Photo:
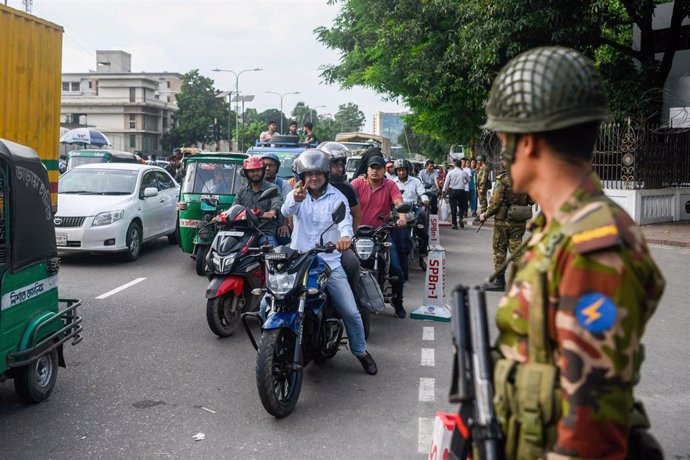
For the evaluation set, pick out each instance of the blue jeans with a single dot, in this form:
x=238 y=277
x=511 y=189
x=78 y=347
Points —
x=340 y=294
x=270 y=239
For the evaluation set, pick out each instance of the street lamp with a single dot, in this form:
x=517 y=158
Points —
x=282 y=95
x=237 y=92
x=245 y=98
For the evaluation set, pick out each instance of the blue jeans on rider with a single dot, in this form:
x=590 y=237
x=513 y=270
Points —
x=396 y=270
x=343 y=301
x=270 y=239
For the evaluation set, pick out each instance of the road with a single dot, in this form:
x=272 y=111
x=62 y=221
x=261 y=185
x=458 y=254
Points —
x=149 y=374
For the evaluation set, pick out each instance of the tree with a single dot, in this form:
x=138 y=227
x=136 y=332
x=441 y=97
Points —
x=422 y=144
x=440 y=56
x=303 y=113
x=198 y=107
x=349 y=117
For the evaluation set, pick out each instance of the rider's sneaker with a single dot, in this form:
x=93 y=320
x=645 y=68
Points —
x=368 y=363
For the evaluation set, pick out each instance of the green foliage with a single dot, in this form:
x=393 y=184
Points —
x=198 y=107
x=349 y=118
x=440 y=56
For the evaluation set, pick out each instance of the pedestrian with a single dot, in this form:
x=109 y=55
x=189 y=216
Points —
x=483 y=183
x=473 y=187
x=466 y=168
x=571 y=321
x=509 y=225
x=454 y=187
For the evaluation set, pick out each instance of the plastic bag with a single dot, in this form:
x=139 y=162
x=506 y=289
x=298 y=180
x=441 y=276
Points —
x=443 y=210
x=369 y=292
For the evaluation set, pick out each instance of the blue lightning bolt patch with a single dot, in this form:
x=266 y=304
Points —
x=596 y=312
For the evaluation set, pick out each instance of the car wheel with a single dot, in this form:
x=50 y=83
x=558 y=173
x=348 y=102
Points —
x=173 y=237
x=133 y=241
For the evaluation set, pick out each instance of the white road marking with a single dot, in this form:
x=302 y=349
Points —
x=426 y=389
x=428 y=333
x=121 y=288
x=425 y=434
x=428 y=357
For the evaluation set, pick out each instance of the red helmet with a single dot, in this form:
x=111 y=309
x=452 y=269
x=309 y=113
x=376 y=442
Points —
x=252 y=163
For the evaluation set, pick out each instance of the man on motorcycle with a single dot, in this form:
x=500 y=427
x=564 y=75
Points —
x=271 y=166
x=254 y=170
x=376 y=195
x=413 y=192
x=311 y=204
x=429 y=177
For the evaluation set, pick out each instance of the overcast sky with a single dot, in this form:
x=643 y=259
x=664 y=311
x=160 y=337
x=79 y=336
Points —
x=177 y=36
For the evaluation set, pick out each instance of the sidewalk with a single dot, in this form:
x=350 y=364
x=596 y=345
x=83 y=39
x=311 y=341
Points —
x=672 y=234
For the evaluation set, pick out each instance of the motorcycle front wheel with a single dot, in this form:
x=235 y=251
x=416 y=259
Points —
x=278 y=381
x=224 y=313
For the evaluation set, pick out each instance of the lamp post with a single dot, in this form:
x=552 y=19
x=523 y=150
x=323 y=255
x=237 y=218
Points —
x=237 y=93
x=281 y=96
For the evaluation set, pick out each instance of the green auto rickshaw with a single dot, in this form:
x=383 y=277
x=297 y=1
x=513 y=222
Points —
x=84 y=157
x=34 y=323
x=209 y=186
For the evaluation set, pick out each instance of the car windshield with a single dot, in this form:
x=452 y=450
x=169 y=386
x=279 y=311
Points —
x=87 y=181
x=286 y=160
x=205 y=177
x=73 y=162
x=351 y=165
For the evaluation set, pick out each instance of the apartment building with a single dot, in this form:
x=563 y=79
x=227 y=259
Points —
x=132 y=109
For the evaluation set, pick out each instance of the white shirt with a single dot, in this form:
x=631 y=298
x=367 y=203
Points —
x=456 y=179
x=412 y=189
x=311 y=217
x=469 y=178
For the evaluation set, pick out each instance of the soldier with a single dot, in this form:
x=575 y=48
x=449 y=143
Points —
x=483 y=183
x=509 y=224
x=572 y=319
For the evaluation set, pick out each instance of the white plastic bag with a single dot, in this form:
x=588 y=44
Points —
x=444 y=210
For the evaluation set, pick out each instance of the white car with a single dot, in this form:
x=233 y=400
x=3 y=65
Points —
x=115 y=207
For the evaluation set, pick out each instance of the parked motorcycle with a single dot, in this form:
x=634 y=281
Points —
x=302 y=325
x=235 y=269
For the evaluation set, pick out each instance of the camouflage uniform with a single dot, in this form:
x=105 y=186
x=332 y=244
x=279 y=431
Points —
x=600 y=286
x=507 y=234
x=483 y=184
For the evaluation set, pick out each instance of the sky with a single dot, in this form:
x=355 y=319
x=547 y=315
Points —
x=177 y=36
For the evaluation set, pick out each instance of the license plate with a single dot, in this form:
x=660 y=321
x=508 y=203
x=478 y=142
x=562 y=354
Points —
x=61 y=239
x=275 y=256
x=234 y=233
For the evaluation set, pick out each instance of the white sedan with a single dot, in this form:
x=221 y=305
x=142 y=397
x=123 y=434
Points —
x=115 y=207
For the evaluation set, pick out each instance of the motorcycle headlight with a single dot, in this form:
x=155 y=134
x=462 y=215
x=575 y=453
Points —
x=364 y=248
x=221 y=265
x=281 y=283
x=107 y=218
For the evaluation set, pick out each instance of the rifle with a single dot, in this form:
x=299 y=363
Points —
x=472 y=384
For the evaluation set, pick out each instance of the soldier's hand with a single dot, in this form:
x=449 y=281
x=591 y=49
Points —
x=482 y=217
x=300 y=192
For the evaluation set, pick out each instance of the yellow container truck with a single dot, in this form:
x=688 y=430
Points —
x=30 y=86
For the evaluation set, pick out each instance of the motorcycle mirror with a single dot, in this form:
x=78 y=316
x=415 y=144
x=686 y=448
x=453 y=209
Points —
x=269 y=194
x=404 y=208
x=339 y=213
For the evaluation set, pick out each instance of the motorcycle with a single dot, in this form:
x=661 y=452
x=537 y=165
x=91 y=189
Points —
x=373 y=250
x=235 y=270
x=302 y=325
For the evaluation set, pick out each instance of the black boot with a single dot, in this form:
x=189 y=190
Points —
x=499 y=284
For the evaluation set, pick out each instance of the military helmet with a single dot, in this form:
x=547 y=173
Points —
x=481 y=158
x=312 y=160
x=546 y=89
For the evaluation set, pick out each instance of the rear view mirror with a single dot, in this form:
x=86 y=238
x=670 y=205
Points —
x=339 y=213
x=404 y=208
x=269 y=194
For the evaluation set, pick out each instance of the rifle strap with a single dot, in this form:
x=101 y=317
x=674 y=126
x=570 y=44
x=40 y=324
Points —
x=537 y=331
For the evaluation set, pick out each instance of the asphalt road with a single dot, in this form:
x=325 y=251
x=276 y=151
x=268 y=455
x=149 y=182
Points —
x=149 y=374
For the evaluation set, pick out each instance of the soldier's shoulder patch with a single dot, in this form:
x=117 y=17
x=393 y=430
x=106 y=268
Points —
x=593 y=228
x=596 y=312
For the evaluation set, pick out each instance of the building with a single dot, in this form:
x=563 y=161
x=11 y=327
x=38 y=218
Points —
x=390 y=125
x=133 y=109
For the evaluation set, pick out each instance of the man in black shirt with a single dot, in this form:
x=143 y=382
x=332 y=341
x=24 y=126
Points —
x=310 y=137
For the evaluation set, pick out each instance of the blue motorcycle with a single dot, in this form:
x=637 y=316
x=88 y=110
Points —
x=302 y=326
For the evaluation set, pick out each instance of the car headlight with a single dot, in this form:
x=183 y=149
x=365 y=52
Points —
x=108 y=217
x=364 y=248
x=281 y=283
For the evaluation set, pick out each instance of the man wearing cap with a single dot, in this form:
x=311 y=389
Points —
x=376 y=195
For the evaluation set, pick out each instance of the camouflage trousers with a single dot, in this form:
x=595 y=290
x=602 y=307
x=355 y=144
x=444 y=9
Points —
x=507 y=237
x=483 y=202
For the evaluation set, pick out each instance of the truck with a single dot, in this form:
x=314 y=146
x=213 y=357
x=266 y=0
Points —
x=359 y=142
x=31 y=87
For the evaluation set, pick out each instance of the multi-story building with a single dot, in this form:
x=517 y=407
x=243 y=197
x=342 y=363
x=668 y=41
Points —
x=133 y=109
x=390 y=125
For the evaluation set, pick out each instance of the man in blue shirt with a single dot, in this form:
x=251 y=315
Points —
x=311 y=204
